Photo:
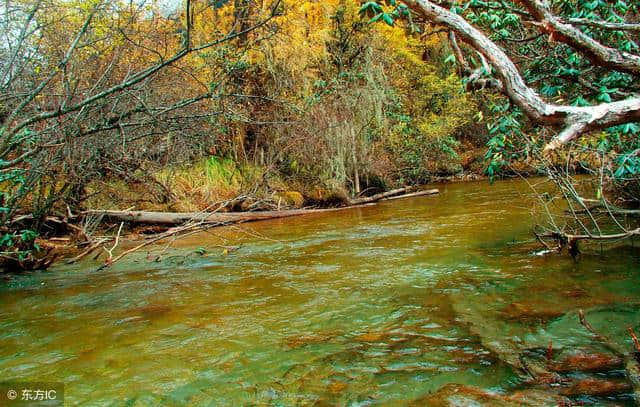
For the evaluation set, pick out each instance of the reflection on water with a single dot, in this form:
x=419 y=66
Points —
x=383 y=304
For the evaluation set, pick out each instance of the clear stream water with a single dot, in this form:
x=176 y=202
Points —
x=374 y=306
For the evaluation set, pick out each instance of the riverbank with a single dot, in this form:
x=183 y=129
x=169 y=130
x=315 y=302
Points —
x=208 y=186
x=138 y=229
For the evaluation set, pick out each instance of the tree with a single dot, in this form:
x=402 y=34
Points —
x=572 y=68
x=79 y=82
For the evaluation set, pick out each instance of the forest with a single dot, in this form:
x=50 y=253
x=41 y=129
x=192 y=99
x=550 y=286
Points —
x=472 y=143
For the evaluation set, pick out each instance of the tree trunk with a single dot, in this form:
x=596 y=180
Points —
x=356 y=174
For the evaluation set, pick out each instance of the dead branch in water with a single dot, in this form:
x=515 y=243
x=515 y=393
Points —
x=89 y=250
x=196 y=223
x=599 y=237
x=170 y=233
x=179 y=218
x=188 y=223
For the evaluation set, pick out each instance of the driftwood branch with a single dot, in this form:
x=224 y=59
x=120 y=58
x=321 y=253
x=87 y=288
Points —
x=192 y=222
x=377 y=197
x=92 y=247
x=593 y=236
x=413 y=194
x=179 y=218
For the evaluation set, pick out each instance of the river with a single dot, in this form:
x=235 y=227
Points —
x=382 y=305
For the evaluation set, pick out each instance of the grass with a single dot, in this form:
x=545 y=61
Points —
x=213 y=179
x=193 y=187
x=199 y=185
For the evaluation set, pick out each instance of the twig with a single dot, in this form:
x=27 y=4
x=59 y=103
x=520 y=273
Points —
x=601 y=338
x=200 y=225
x=115 y=244
x=88 y=251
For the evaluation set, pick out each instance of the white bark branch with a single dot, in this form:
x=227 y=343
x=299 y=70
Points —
x=575 y=121
x=605 y=24
x=570 y=35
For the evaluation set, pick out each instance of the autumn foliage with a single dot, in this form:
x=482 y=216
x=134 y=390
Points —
x=121 y=104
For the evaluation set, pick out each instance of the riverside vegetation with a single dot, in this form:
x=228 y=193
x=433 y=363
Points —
x=287 y=104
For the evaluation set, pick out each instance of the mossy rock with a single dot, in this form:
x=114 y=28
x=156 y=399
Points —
x=292 y=198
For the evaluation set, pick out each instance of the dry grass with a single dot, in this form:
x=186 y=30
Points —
x=192 y=187
x=198 y=187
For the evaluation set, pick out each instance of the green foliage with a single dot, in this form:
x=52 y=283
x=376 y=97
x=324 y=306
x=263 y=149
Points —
x=622 y=143
x=504 y=130
x=387 y=12
x=19 y=245
x=561 y=74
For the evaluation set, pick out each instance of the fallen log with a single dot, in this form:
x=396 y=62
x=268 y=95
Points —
x=179 y=218
x=223 y=218
x=377 y=197
x=413 y=194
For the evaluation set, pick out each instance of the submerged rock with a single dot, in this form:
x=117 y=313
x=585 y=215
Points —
x=531 y=312
x=587 y=362
x=597 y=387
x=371 y=336
x=299 y=341
x=460 y=395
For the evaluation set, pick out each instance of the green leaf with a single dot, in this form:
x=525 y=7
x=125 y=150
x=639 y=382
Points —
x=375 y=18
x=387 y=19
x=370 y=7
x=630 y=128
x=604 y=97
x=580 y=101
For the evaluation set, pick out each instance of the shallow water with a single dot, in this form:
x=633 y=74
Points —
x=378 y=305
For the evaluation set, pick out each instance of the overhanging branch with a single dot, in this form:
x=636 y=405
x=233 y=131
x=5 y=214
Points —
x=573 y=120
x=570 y=35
